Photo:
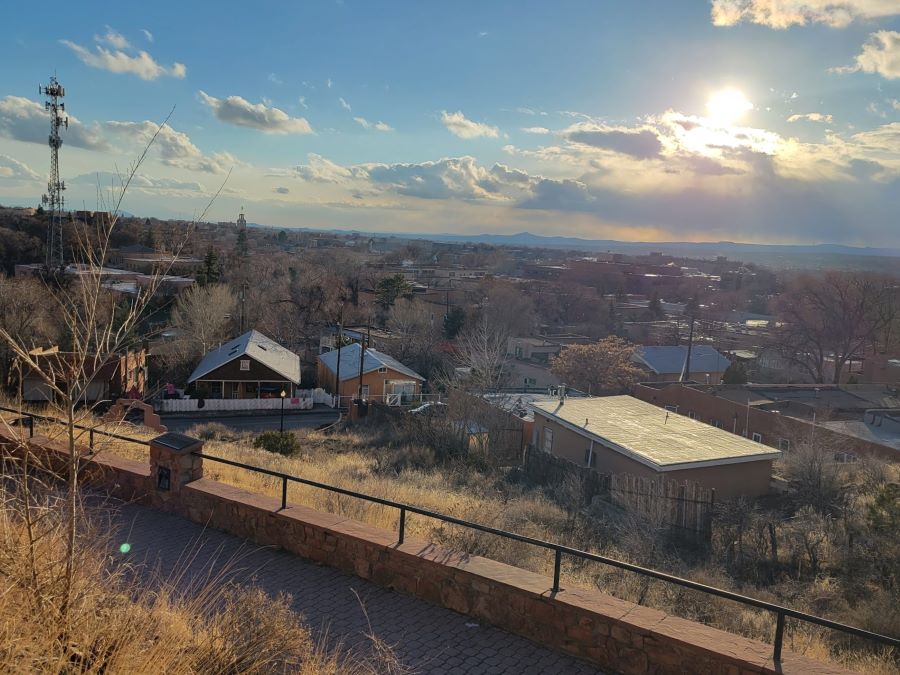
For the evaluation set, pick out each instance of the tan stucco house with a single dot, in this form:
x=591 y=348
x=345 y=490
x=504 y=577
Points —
x=384 y=378
x=624 y=435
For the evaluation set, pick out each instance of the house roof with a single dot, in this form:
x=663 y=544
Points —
x=670 y=359
x=372 y=361
x=651 y=435
x=257 y=346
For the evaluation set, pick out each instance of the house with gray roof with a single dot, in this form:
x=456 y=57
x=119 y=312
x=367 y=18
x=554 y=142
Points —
x=666 y=363
x=380 y=377
x=249 y=366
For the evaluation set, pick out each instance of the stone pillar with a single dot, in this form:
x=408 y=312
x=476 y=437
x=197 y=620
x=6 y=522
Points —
x=172 y=466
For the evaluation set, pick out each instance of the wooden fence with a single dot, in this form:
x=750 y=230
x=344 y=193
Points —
x=684 y=505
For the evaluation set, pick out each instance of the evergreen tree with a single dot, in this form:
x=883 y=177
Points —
x=453 y=322
x=241 y=245
x=211 y=271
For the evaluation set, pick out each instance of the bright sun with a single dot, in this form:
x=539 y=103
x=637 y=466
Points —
x=728 y=106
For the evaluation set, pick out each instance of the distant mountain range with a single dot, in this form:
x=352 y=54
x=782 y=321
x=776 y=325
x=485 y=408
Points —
x=804 y=256
x=670 y=247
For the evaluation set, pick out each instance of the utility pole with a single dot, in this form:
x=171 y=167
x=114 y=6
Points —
x=686 y=371
x=340 y=345
x=362 y=356
x=54 y=197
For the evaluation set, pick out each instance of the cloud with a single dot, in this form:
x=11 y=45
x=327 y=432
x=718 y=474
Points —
x=25 y=120
x=321 y=170
x=274 y=79
x=13 y=169
x=812 y=117
x=344 y=104
x=302 y=101
x=458 y=125
x=240 y=112
x=639 y=143
x=142 y=182
x=147 y=35
x=536 y=130
x=113 y=38
x=378 y=126
x=448 y=178
x=328 y=83
x=880 y=54
x=782 y=14
x=280 y=190
x=122 y=58
x=174 y=148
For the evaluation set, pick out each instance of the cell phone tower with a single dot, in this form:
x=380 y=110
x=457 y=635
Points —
x=54 y=197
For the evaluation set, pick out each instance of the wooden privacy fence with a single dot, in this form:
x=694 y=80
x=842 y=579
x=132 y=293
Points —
x=686 y=505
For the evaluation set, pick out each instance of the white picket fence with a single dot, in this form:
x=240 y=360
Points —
x=305 y=400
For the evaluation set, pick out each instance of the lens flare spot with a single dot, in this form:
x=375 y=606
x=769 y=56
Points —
x=125 y=548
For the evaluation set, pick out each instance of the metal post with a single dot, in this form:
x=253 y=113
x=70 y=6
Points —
x=91 y=442
x=281 y=426
x=30 y=426
x=556 y=568
x=284 y=492
x=402 y=525
x=779 y=636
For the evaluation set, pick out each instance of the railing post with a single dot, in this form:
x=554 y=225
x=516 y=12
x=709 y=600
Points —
x=284 y=492
x=31 y=426
x=91 y=438
x=779 y=636
x=402 y=525
x=556 y=569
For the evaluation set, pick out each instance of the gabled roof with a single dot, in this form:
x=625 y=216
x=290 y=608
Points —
x=372 y=361
x=257 y=346
x=651 y=435
x=670 y=359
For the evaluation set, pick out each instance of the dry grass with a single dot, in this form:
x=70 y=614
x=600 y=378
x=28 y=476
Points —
x=378 y=465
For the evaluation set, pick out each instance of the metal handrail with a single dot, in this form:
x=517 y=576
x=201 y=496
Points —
x=780 y=611
x=559 y=550
x=91 y=430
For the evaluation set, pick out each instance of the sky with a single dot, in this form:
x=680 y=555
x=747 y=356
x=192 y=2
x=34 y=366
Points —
x=698 y=120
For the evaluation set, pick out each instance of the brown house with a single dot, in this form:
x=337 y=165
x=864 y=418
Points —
x=624 y=435
x=250 y=366
x=119 y=376
x=384 y=378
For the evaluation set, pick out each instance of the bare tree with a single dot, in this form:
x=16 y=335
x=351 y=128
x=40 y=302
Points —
x=203 y=318
x=827 y=321
x=606 y=364
x=95 y=334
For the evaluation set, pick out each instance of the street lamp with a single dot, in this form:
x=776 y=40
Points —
x=283 y=394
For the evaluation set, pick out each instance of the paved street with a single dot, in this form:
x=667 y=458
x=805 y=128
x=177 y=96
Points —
x=427 y=639
x=257 y=423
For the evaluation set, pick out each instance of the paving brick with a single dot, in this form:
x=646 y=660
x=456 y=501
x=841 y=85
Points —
x=426 y=638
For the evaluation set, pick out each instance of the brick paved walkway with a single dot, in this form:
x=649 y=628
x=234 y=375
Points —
x=427 y=639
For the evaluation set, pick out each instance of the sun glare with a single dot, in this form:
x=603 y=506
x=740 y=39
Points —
x=727 y=106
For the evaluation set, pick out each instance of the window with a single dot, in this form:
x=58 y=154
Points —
x=692 y=414
x=757 y=437
x=716 y=423
x=672 y=408
x=590 y=459
x=245 y=364
x=530 y=382
x=382 y=369
x=548 y=439
x=784 y=444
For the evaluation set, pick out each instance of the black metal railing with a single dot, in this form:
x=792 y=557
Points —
x=781 y=612
x=31 y=417
x=559 y=550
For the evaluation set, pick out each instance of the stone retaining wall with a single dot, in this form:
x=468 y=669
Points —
x=618 y=636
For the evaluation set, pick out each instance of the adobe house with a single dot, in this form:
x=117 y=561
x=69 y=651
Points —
x=384 y=378
x=249 y=366
x=666 y=363
x=624 y=435
x=119 y=376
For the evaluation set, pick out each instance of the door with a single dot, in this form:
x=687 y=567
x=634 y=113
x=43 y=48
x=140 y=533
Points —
x=365 y=392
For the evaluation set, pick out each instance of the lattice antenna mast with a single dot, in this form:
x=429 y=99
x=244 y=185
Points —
x=54 y=197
